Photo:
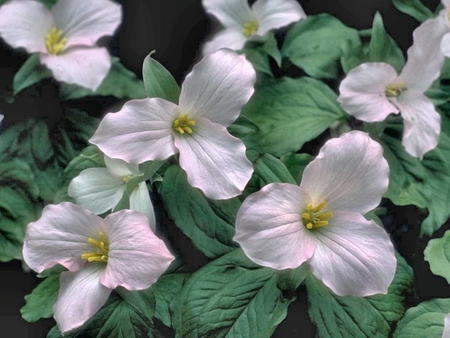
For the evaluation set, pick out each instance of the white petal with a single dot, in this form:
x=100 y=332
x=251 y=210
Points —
x=446 y=3
x=353 y=256
x=362 y=92
x=228 y=38
x=230 y=13
x=425 y=58
x=96 y=190
x=80 y=297
x=350 y=173
x=214 y=161
x=422 y=123
x=272 y=14
x=269 y=227
x=136 y=257
x=121 y=169
x=218 y=87
x=60 y=237
x=446 y=333
x=25 y=24
x=86 y=67
x=140 y=201
x=85 y=21
x=141 y=131
x=445 y=45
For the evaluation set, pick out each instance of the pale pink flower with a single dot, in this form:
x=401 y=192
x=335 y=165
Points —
x=321 y=221
x=64 y=36
x=100 y=254
x=242 y=23
x=212 y=97
x=372 y=91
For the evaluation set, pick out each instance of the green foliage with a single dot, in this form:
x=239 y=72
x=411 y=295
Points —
x=414 y=8
x=296 y=164
x=48 y=3
x=437 y=253
x=30 y=73
x=271 y=170
x=259 y=54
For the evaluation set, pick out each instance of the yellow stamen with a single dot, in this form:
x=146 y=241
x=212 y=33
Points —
x=313 y=218
x=395 y=89
x=55 y=41
x=250 y=28
x=182 y=124
x=101 y=253
x=127 y=178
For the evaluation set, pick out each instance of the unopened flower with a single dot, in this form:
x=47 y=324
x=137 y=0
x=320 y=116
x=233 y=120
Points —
x=372 y=91
x=321 y=221
x=64 y=36
x=212 y=97
x=100 y=254
x=101 y=189
x=242 y=23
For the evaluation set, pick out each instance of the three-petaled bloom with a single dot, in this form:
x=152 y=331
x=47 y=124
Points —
x=100 y=254
x=212 y=97
x=64 y=36
x=321 y=221
x=101 y=189
x=372 y=91
x=243 y=23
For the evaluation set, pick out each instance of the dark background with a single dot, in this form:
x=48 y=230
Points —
x=176 y=29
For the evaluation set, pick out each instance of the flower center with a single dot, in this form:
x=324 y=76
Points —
x=312 y=217
x=101 y=252
x=182 y=124
x=55 y=41
x=250 y=28
x=395 y=89
x=127 y=178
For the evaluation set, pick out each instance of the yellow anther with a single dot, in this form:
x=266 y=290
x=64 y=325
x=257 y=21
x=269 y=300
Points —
x=101 y=253
x=55 y=42
x=127 y=178
x=313 y=218
x=395 y=89
x=250 y=28
x=182 y=124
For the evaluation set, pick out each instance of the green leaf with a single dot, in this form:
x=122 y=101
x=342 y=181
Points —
x=259 y=60
x=120 y=83
x=242 y=126
x=354 y=53
x=271 y=170
x=315 y=44
x=208 y=223
x=39 y=303
x=414 y=8
x=230 y=297
x=30 y=73
x=437 y=254
x=48 y=3
x=424 y=320
x=290 y=112
x=143 y=301
x=158 y=81
x=358 y=317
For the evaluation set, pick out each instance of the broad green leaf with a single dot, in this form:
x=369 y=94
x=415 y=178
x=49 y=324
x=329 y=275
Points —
x=158 y=81
x=208 y=223
x=230 y=297
x=242 y=126
x=354 y=53
x=437 y=254
x=296 y=164
x=271 y=170
x=143 y=301
x=259 y=60
x=30 y=73
x=424 y=320
x=120 y=83
x=315 y=44
x=358 y=317
x=290 y=112
x=414 y=8
x=259 y=54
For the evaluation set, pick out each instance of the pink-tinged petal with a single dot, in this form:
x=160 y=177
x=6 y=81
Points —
x=446 y=333
x=228 y=38
x=120 y=169
x=60 y=237
x=445 y=45
x=214 y=161
x=422 y=123
x=350 y=173
x=96 y=190
x=141 y=131
x=362 y=92
x=230 y=13
x=269 y=227
x=85 y=21
x=425 y=58
x=446 y=3
x=80 y=296
x=218 y=87
x=140 y=201
x=136 y=258
x=86 y=67
x=353 y=256
x=25 y=24
x=272 y=14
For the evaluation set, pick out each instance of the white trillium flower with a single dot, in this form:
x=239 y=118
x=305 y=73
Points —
x=154 y=129
x=101 y=189
x=321 y=221
x=372 y=91
x=100 y=254
x=64 y=36
x=242 y=23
